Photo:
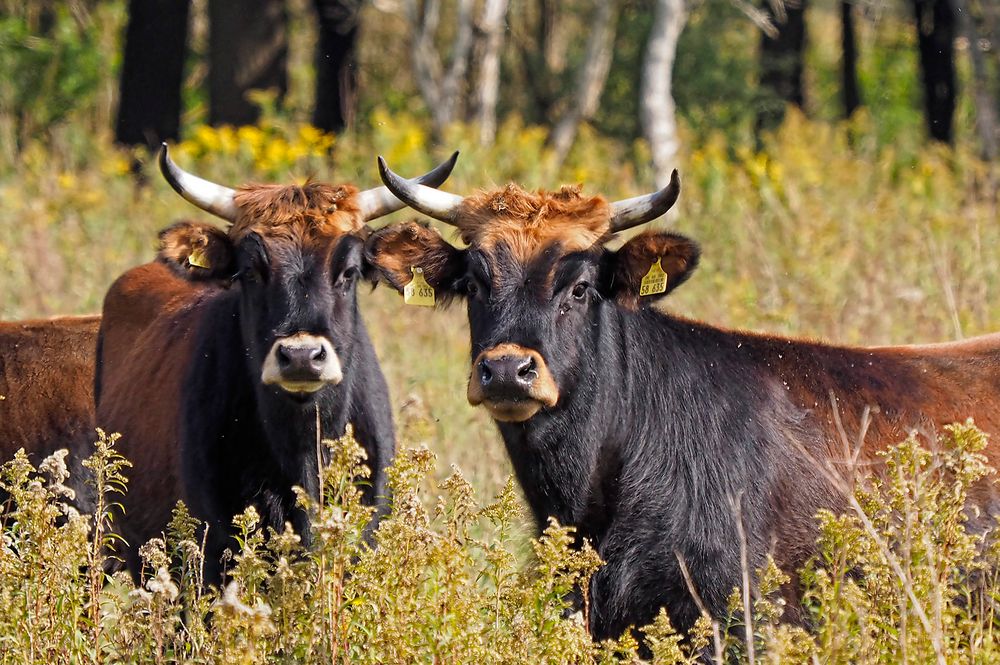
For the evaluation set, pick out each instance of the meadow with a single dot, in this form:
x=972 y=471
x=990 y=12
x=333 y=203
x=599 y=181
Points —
x=826 y=230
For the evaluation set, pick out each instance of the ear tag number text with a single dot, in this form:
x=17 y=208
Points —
x=198 y=259
x=655 y=280
x=418 y=292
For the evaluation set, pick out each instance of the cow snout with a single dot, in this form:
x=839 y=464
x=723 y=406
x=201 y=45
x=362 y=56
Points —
x=512 y=382
x=507 y=373
x=302 y=363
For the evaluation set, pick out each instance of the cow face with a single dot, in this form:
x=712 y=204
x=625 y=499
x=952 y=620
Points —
x=535 y=275
x=296 y=254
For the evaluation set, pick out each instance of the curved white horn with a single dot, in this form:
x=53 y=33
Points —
x=208 y=196
x=432 y=202
x=641 y=209
x=380 y=201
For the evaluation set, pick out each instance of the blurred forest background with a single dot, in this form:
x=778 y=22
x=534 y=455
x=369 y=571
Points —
x=838 y=158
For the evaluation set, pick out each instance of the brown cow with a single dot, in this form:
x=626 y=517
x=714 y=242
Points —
x=639 y=427
x=218 y=360
x=47 y=390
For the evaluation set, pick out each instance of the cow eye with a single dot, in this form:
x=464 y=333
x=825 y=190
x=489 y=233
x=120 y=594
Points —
x=580 y=291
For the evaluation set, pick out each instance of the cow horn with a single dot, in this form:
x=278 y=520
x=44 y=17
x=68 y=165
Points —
x=641 y=209
x=437 y=204
x=208 y=196
x=380 y=201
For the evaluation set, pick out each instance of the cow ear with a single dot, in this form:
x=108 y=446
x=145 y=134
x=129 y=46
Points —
x=649 y=266
x=394 y=251
x=197 y=251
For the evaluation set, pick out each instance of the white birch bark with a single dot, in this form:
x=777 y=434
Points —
x=590 y=80
x=492 y=27
x=656 y=104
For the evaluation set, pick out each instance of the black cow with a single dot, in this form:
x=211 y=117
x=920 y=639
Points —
x=217 y=360
x=644 y=430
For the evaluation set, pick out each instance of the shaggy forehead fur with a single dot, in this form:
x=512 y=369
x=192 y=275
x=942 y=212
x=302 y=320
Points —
x=528 y=222
x=305 y=213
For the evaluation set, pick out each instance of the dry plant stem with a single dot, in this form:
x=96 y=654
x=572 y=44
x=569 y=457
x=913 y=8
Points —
x=944 y=276
x=716 y=635
x=837 y=482
x=737 y=503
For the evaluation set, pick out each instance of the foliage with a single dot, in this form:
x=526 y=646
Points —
x=902 y=577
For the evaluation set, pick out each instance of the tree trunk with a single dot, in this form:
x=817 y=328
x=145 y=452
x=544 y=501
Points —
x=336 y=64
x=492 y=28
x=426 y=64
x=848 y=42
x=986 y=114
x=782 y=63
x=935 y=23
x=657 y=109
x=591 y=77
x=149 y=108
x=248 y=50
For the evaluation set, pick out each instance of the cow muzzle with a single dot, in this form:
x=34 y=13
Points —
x=512 y=382
x=301 y=364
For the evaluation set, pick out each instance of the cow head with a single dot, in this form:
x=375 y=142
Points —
x=535 y=274
x=295 y=253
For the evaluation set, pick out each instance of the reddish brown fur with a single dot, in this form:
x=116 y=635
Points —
x=304 y=213
x=529 y=222
x=150 y=317
x=47 y=384
x=400 y=247
x=180 y=241
x=678 y=257
x=905 y=388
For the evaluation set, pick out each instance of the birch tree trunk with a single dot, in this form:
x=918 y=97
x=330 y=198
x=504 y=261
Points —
x=656 y=105
x=441 y=89
x=591 y=77
x=491 y=27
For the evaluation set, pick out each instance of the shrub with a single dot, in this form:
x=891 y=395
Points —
x=898 y=578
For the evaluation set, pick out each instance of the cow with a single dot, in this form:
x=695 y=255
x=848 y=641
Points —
x=46 y=391
x=218 y=360
x=651 y=433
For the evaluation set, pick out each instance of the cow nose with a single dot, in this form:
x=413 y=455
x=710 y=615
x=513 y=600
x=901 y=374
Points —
x=507 y=374
x=301 y=362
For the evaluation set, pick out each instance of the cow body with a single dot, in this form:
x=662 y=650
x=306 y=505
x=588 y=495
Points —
x=653 y=435
x=177 y=388
x=47 y=384
x=225 y=362
x=674 y=420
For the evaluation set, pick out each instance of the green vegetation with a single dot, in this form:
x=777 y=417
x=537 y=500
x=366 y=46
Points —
x=854 y=232
x=899 y=578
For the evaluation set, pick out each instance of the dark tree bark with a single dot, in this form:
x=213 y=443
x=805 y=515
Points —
x=935 y=20
x=149 y=109
x=336 y=64
x=782 y=62
x=848 y=42
x=248 y=50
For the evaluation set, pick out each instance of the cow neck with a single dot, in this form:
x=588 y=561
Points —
x=642 y=397
x=290 y=428
x=557 y=455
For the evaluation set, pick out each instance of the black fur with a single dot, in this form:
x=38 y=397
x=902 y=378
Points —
x=661 y=427
x=242 y=442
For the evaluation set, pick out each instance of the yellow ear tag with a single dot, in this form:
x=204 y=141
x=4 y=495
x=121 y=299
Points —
x=418 y=292
x=198 y=259
x=655 y=280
